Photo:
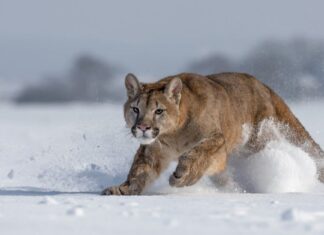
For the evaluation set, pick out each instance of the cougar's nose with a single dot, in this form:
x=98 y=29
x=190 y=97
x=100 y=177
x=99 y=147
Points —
x=143 y=127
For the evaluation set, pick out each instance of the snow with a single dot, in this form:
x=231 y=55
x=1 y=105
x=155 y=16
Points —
x=279 y=168
x=56 y=159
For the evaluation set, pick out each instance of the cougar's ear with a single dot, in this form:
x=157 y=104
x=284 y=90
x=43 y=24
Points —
x=132 y=85
x=173 y=89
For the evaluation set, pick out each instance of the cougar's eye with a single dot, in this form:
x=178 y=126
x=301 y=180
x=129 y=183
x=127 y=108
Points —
x=135 y=110
x=159 y=111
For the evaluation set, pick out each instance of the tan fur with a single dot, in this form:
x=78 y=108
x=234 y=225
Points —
x=201 y=125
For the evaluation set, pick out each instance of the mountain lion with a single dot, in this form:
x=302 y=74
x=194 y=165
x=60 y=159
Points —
x=198 y=121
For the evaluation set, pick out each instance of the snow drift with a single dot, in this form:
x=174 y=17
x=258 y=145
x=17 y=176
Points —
x=280 y=167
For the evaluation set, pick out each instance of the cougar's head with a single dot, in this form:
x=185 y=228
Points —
x=152 y=109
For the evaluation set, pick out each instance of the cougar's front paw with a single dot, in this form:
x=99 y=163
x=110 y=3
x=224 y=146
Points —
x=115 y=190
x=181 y=177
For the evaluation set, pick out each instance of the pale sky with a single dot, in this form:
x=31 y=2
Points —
x=39 y=37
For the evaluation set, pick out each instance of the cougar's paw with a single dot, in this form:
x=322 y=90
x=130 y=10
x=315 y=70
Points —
x=115 y=190
x=181 y=177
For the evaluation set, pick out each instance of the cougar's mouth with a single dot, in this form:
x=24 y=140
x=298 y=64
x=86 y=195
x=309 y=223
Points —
x=145 y=137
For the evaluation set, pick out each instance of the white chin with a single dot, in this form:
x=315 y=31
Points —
x=146 y=141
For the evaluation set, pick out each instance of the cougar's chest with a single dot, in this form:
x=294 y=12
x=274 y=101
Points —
x=180 y=143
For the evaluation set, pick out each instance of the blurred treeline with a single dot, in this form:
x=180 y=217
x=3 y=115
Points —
x=89 y=80
x=294 y=69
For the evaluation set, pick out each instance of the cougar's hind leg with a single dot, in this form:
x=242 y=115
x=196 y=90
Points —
x=258 y=139
x=299 y=136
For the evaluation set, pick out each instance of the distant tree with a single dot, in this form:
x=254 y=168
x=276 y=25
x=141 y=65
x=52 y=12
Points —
x=50 y=91
x=89 y=79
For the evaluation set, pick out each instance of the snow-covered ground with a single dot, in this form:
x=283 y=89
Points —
x=54 y=160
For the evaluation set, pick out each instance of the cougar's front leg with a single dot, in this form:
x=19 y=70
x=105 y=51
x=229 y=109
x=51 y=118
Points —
x=147 y=166
x=208 y=156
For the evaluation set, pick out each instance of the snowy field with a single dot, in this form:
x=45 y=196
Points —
x=54 y=161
